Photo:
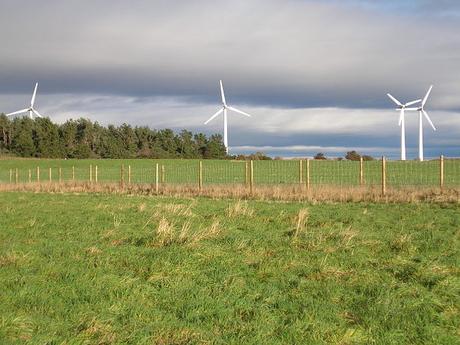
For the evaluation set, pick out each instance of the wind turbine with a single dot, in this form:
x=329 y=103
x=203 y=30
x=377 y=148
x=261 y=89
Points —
x=403 y=108
x=421 y=110
x=224 y=109
x=31 y=109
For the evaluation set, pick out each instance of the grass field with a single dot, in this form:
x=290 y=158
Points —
x=100 y=269
x=337 y=173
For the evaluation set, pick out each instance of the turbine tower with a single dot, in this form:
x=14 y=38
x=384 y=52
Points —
x=31 y=109
x=224 y=109
x=421 y=110
x=402 y=108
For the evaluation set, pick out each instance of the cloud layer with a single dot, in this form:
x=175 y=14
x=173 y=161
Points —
x=305 y=69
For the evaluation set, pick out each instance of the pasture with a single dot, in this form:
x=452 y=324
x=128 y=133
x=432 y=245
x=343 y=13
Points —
x=108 y=269
x=183 y=171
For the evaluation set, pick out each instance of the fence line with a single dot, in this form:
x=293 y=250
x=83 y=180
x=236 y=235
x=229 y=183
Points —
x=441 y=173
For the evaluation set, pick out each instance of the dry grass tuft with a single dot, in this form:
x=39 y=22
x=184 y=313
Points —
x=347 y=236
x=116 y=221
x=108 y=234
x=185 y=232
x=93 y=251
x=210 y=232
x=116 y=243
x=301 y=221
x=12 y=259
x=214 y=230
x=400 y=243
x=177 y=337
x=99 y=332
x=165 y=233
x=31 y=222
x=179 y=210
x=332 y=273
x=17 y=328
x=142 y=207
x=240 y=208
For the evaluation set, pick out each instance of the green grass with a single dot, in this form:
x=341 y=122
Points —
x=337 y=173
x=100 y=269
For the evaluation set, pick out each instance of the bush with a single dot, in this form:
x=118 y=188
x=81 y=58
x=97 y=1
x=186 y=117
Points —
x=320 y=156
x=353 y=156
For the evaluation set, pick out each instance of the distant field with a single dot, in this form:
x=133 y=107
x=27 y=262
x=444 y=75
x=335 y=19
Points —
x=338 y=173
x=99 y=269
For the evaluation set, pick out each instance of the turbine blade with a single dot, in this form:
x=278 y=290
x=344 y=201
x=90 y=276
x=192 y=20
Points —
x=429 y=120
x=427 y=95
x=401 y=116
x=214 y=116
x=239 y=111
x=32 y=102
x=413 y=102
x=222 y=93
x=36 y=113
x=18 y=112
x=394 y=100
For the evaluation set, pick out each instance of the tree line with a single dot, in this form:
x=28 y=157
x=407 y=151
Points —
x=81 y=138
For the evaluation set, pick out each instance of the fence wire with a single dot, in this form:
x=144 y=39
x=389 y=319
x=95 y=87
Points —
x=399 y=174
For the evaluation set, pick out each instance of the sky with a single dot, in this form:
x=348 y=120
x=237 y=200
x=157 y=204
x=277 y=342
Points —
x=313 y=74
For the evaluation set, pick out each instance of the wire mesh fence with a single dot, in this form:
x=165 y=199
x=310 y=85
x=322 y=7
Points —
x=442 y=173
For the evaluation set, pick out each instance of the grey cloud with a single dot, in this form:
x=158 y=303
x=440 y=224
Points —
x=280 y=53
x=313 y=73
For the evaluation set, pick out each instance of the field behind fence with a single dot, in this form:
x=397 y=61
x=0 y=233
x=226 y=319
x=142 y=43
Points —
x=442 y=172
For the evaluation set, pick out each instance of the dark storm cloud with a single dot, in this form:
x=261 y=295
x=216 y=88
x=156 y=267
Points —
x=280 y=53
x=313 y=73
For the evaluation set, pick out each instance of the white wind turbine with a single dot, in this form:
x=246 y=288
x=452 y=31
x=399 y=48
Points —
x=224 y=110
x=403 y=108
x=31 y=109
x=421 y=110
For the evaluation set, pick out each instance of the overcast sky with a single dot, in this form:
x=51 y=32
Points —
x=314 y=74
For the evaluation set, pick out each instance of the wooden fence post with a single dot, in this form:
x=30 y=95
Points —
x=162 y=174
x=200 y=176
x=157 y=178
x=38 y=174
x=90 y=173
x=246 y=172
x=441 y=173
x=384 y=176
x=17 y=176
x=361 y=171
x=60 y=175
x=300 y=172
x=30 y=175
x=129 y=174
x=308 y=174
x=122 y=175
x=50 y=175
x=95 y=174
x=251 y=179
x=11 y=175
x=73 y=173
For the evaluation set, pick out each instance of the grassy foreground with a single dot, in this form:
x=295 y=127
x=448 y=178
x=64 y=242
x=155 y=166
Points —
x=103 y=269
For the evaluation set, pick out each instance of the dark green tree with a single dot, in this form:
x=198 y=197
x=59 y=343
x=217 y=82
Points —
x=353 y=156
x=23 y=142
